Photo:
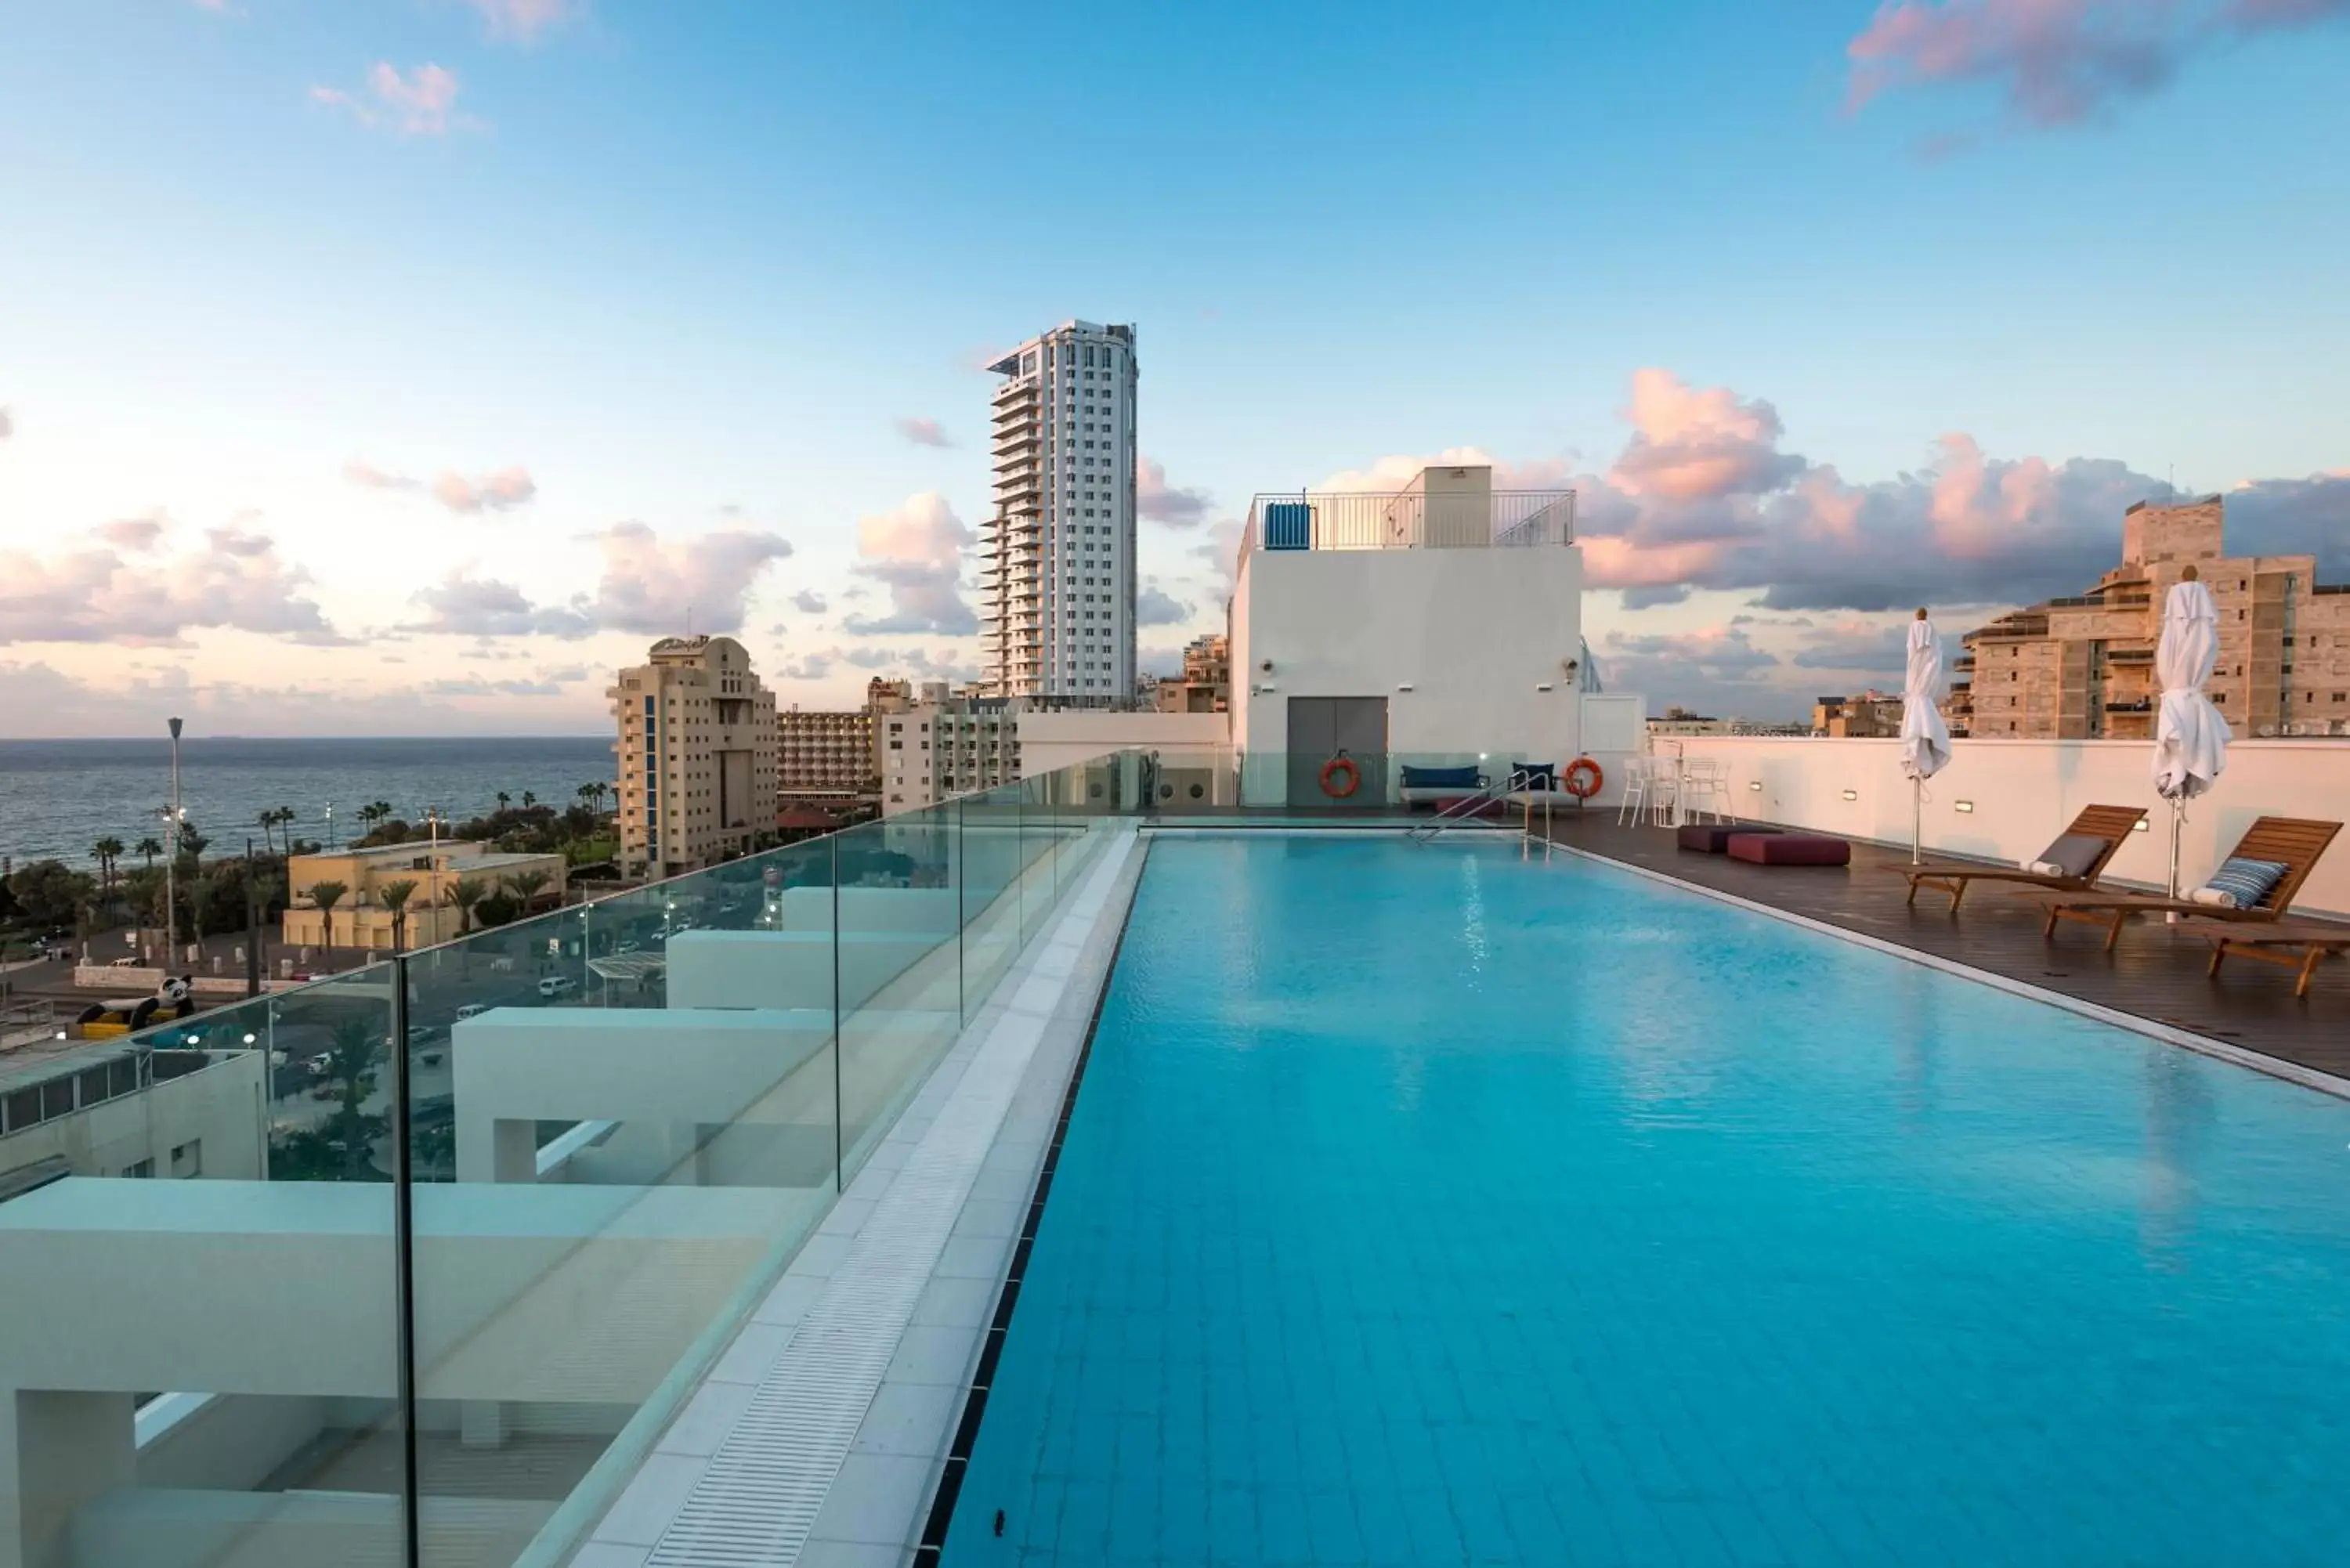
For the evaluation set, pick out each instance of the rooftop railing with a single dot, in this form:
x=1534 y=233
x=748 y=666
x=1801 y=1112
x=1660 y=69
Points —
x=1409 y=520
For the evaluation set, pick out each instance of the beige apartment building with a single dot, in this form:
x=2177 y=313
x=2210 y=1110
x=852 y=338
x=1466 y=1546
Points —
x=695 y=756
x=2083 y=668
x=824 y=755
x=1206 y=683
x=1866 y=715
x=362 y=919
x=943 y=746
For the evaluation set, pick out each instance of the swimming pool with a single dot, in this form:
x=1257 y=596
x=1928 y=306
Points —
x=1424 y=1204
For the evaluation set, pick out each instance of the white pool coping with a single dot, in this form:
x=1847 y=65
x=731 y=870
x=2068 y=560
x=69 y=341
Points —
x=820 y=1436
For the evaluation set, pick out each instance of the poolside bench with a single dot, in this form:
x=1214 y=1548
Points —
x=2304 y=945
x=1775 y=848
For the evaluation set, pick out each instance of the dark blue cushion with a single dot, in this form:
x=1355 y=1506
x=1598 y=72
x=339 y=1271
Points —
x=1534 y=775
x=1442 y=778
x=2246 y=882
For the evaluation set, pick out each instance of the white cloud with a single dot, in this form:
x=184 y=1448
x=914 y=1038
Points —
x=499 y=492
x=916 y=550
x=463 y=606
x=94 y=594
x=8 y=423
x=1162 y=502
x=421 y=102
x=808 y=602
x=923 y=433
x=661 y=588
x=521 y=21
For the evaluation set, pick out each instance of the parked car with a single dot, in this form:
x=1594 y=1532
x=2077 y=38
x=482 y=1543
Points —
x=558 y=986
x=472 y=1010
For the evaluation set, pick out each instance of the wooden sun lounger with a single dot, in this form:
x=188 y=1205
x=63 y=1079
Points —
x=2312 y=939
x=2111 y=823
x=2296 y=842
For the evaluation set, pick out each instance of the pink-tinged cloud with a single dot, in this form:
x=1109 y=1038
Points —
x=96 y=593
x=916 y=550
x=2055 y=62
x=521 y=21
x=662 y=587
x=1163 y=503
x=1703 y=497
x=421 y=102
x=499 y=492
x=1693 y=443
x=923 y=433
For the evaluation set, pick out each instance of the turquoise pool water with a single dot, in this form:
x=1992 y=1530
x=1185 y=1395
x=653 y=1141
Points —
x=1422 y=1204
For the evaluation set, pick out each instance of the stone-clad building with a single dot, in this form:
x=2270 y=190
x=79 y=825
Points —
x=2083 y=668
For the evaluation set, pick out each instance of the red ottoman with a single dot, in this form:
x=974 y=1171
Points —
x=1713 y=839
x=1789 y=850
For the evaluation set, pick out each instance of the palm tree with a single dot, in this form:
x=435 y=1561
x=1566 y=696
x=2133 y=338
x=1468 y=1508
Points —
x=326 y=896
x=108 y=850
x=505 y=800
x=468 y=892
x=366 y=815
x=191 y=844
x=528 y=800
x=147 y=849
x=394 y=896
x=526 y=885
x=589 y=794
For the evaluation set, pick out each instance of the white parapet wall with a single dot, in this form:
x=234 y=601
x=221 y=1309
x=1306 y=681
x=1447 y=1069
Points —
x=2004 y=800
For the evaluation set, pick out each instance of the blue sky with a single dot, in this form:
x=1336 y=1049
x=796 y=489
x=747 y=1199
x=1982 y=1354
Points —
x=336 y=335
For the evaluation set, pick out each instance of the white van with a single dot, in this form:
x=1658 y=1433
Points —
x=471 y=1010
x=558 y=986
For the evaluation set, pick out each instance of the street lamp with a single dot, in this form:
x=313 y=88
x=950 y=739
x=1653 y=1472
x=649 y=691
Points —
x=173 y=815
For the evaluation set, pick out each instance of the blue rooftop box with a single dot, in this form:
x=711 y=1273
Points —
x=1288 y=526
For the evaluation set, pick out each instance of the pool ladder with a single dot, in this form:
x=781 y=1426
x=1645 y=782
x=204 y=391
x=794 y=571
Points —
x=1457 y=813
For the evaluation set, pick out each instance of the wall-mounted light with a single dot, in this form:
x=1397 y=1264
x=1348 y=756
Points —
x=1852 y=794
x=2139 y=827
x=1963 y=808
x=1754 y=784
x=1404 y=685
x=1541 y=685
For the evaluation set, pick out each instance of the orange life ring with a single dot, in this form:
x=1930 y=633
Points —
x=1577 y=772
x=1341 y=763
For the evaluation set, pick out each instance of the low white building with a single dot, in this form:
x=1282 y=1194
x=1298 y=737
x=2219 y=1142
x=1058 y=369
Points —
x=1442 y=624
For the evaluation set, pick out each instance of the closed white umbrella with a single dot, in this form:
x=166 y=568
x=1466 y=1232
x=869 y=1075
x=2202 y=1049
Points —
x=1925 y=739
x=2191 y=739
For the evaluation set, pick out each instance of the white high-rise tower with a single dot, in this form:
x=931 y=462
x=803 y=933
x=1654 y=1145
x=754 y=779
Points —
x=1056 y=593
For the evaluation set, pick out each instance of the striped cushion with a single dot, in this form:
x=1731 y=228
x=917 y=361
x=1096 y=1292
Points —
x=2242 y=884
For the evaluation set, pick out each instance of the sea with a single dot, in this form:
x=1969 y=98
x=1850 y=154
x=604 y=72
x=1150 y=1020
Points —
x=58 y=797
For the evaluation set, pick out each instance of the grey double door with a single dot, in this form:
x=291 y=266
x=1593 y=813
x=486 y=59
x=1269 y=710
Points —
x=1322 y=728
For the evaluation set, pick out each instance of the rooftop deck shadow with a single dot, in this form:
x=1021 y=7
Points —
x=2157 y=972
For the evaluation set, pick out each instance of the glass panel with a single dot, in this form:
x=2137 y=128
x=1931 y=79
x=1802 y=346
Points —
x=624 y=1123
x=901 y=996
x=212 y=1210
x=990 y=835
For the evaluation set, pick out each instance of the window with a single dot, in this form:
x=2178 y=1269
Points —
x=144 y=1168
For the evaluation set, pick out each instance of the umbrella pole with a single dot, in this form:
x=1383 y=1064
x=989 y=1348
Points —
x=1917 y=822
x=2178 y=811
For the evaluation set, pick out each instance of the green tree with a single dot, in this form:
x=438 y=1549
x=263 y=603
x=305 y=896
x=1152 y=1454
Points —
x=147 y=849
x=505 y=800
x=394 y=895
x=109 y=850
x=528 y=800
x=326 y=896
x=193 y=845
x=51 y=893
x=468 y=892
x=526 y=885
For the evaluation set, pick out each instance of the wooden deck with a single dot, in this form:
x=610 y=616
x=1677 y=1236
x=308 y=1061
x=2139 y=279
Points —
x=2157 y=971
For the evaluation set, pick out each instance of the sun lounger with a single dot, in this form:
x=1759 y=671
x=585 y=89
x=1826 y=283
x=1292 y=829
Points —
x=2295 y=843
x=2295 y=944
x=2105 y=825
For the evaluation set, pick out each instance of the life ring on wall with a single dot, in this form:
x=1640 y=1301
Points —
x=1582 y=779
x=1341 y=763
